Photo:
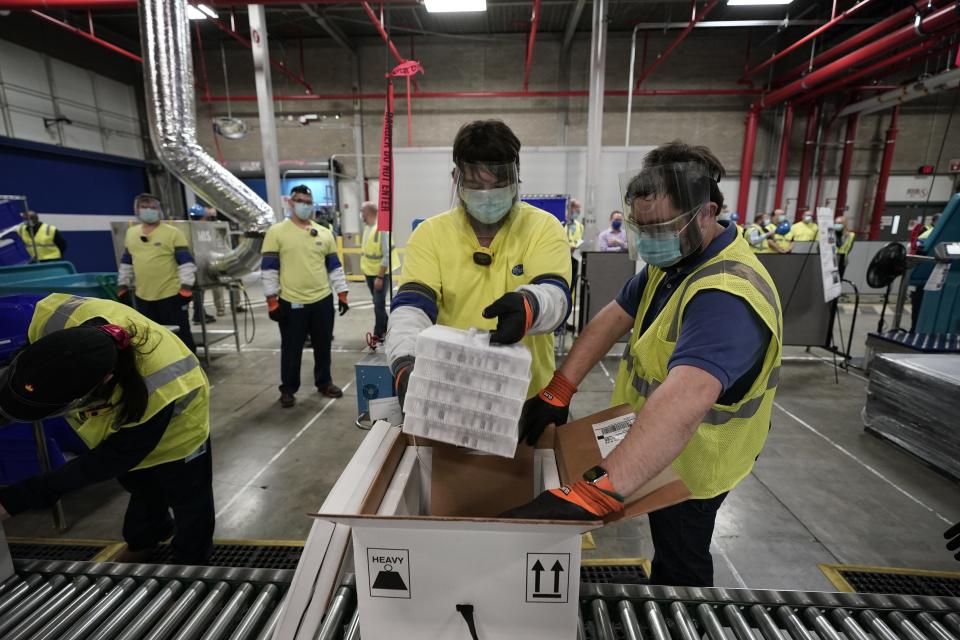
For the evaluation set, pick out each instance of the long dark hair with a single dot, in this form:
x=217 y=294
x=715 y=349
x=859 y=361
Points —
x=126 y=375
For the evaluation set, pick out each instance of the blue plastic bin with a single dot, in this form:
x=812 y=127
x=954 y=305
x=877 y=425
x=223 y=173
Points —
x=15 y=314
x=22 y=272
x=18 y=454
x=12 y=250
x=11 y=212
x=91 y=285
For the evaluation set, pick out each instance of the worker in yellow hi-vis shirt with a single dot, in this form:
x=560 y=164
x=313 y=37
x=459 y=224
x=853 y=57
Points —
x=492 y=262
x=157 y=262
x=138 y=399
x=300 y=295
x=377 y=264
x=43 y=241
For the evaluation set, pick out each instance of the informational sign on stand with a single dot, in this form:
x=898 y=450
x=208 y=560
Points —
x=828 y=254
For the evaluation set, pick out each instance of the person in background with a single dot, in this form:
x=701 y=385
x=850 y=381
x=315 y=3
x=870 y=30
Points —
x=927 y=229
x=377 y=263
x=300 y=295
x=804 y=231
x=44 y=241
x=916 y=293
x=493 y=262
x=157 y=262
x=574 y=227
x=780 y=226
x=198 y=213
x=759 y=233
x=702 y=394
x=138 y=399
x=845 y=240
x=614 y=238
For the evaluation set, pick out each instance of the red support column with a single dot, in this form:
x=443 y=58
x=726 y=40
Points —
x=821 y=161
x=809 y=140
x=850 y=137
x=784 y=156
x=746 y=162
x=879 y=200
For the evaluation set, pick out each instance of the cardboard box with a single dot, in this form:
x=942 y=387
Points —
x=418 y=555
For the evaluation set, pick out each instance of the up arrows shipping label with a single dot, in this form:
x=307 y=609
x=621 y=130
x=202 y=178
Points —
x=548 y=577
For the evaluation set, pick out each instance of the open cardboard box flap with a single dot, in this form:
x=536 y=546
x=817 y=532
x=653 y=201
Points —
x=575 y=444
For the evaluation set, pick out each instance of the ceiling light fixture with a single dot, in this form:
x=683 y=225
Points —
x=452 y=6
x=207 y=10
x=756 y=3
x=195 y=14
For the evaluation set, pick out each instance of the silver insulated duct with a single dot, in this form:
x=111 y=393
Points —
x=171 y=114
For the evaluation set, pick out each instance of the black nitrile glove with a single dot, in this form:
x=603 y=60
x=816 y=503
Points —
x=342 y=305
x=550 y=406
x=275 y=310
x=515 y=313
x=953 y=539
x=547 y=506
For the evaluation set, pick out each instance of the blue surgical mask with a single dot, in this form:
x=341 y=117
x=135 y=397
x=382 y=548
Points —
x=808 y=218
x=837 y=226
x=489 y=206
x=765 y=221
x=660 y=252
x=616 y=224
x=303 y=210
x=149 y=215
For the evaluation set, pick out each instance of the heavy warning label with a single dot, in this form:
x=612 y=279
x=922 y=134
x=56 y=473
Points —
x=389 y=572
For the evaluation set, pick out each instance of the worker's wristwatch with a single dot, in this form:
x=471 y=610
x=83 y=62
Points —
x=595 y=475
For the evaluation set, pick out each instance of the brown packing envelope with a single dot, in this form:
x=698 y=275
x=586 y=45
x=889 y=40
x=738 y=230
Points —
x=577 y=451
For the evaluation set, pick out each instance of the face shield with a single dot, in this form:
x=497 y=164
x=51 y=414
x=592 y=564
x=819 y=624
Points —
x=18 y=408
x=147 y=208
x=487 y=190
x=663 y=203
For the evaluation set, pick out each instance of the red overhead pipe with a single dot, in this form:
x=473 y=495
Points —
x=879 y=200
x=883 y=67
x=850 y=138
x=496 y=94
x=89 y=36
x=936 y=21
x=867 y=35
x=676 y=41
x=276 y=63
x=807 y=38
x=746 y=161
x=784 y=156
x=809 y=142
x=383 y=32
x=534 y=23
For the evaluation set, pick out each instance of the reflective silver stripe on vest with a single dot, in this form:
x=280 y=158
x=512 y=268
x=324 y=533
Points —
x=734 y=268
x=181 y=405
x=58 y=319
x=170 y=372
x=716 y=416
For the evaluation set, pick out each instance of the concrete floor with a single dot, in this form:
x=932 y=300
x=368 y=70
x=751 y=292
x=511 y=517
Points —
x=823 y=491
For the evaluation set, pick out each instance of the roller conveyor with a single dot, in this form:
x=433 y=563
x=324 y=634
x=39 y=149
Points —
x=59 y=600
x=103 y=601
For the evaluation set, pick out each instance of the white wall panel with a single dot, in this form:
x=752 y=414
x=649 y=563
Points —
x=22 y=67
x=72 y=83
x=86 y=138
x=115 y=97
x=30 y=127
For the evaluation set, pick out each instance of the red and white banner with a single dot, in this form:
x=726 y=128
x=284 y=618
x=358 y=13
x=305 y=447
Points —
x=385 y=206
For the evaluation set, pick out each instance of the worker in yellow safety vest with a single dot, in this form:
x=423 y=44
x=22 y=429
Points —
x=44 y=241
x=926 y=233
x=138 y=399
x=377 y=263
x=759 y=233
x=845 y=238
x=702 y=395
x=780 y=227
x=492 y=262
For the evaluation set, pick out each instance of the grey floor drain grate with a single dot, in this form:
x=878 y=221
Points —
x=613 y=574
x=52 y=551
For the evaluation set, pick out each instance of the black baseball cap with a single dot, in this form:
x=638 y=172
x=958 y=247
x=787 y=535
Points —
x=302 y=188
x=51 y=375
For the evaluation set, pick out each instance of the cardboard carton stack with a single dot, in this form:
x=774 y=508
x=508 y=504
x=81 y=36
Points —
x=467 y=392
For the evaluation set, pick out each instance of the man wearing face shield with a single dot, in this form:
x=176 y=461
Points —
x=300 y=295
x=700 y=370
x=493 y=262
x=157 y=262
x=138 y=399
